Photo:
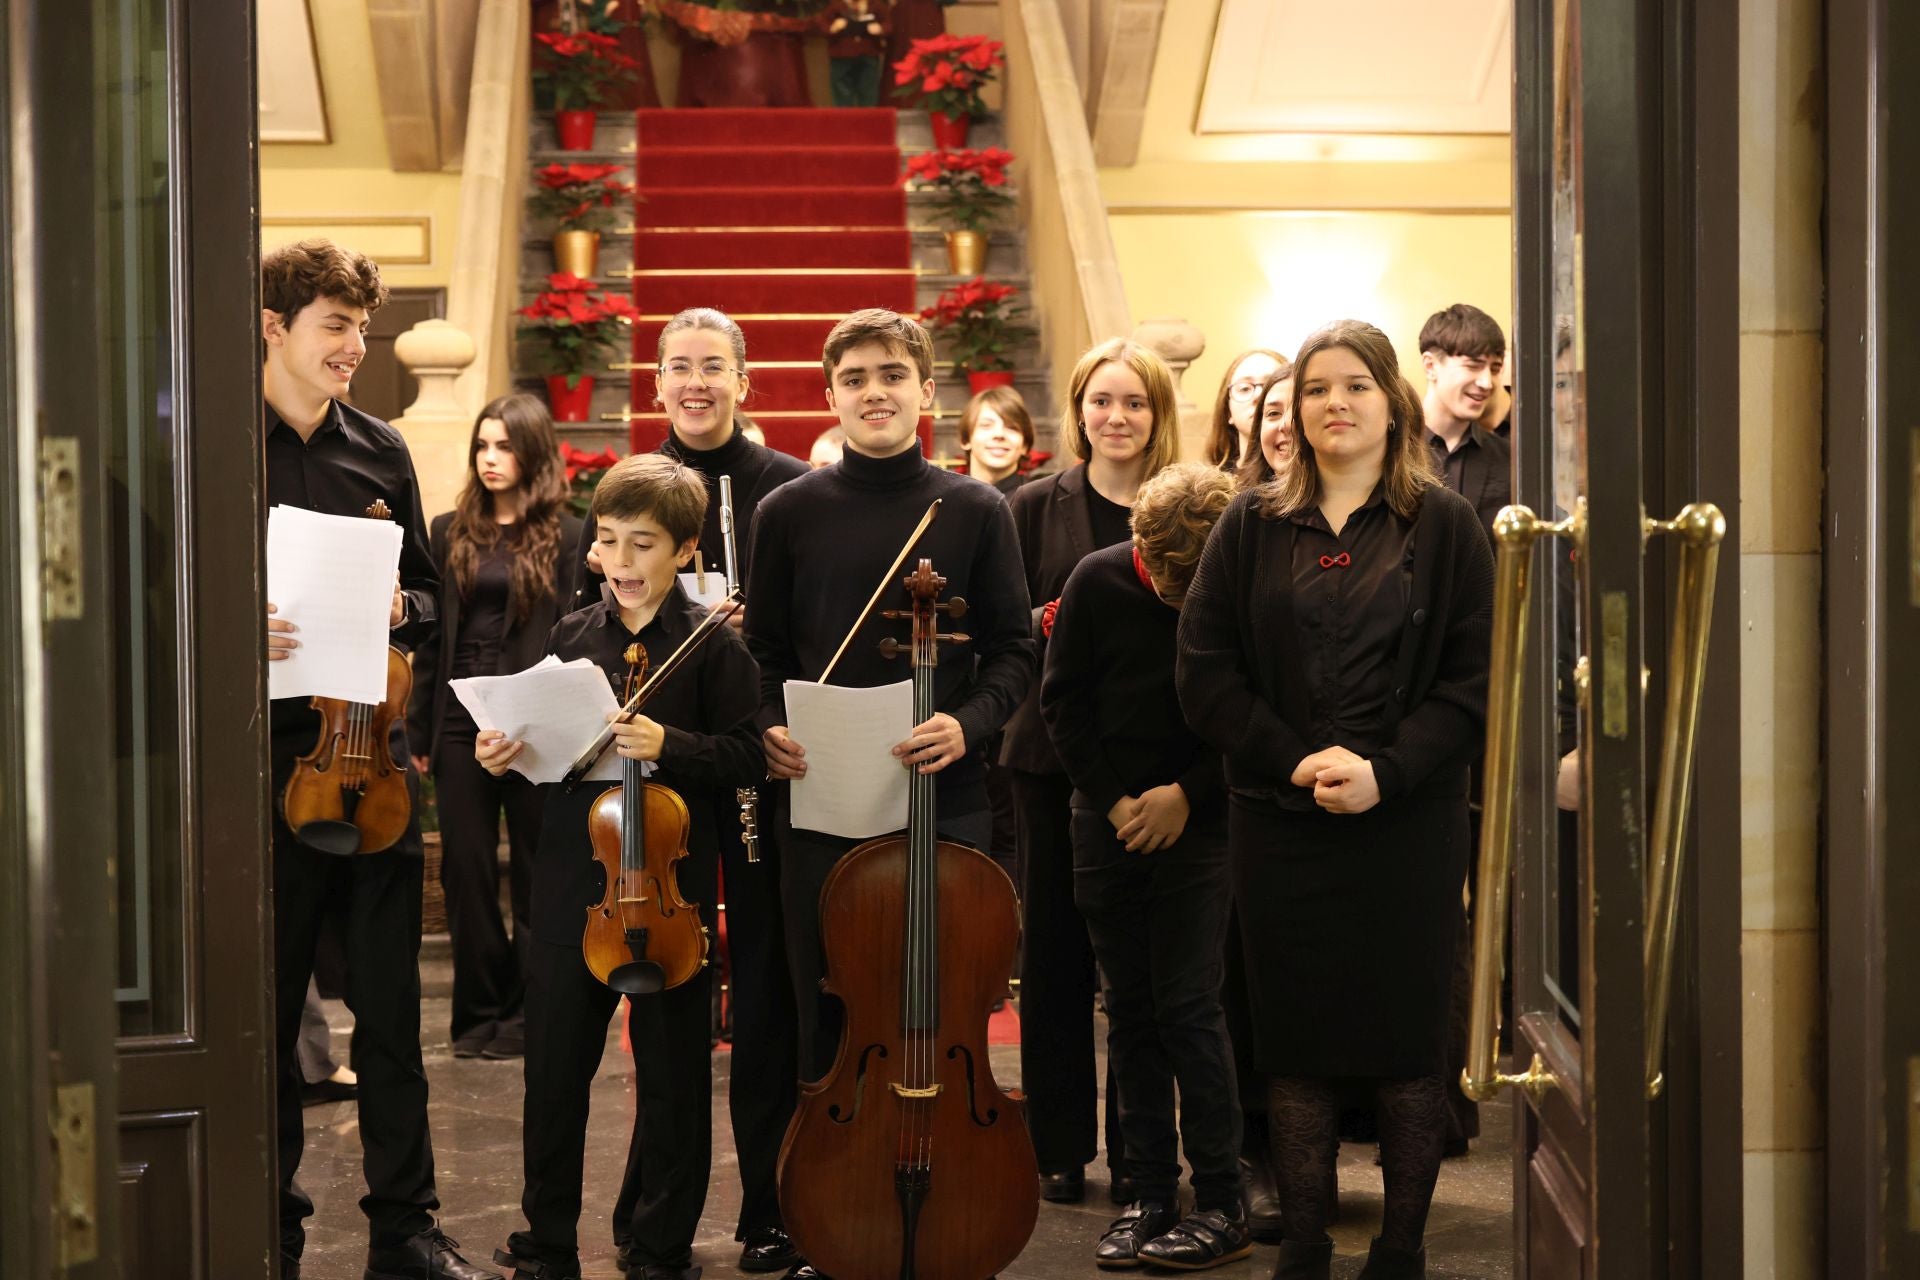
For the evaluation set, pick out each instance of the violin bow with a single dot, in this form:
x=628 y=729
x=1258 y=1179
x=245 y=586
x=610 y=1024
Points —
x=886 y=580
x=583 y=764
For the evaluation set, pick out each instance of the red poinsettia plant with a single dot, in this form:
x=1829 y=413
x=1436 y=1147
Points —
x=983 y=327
x=573 y=325
x=583 y=474
x=946 y=73
x=969 y=187
x=579 y=197
x=580 y=68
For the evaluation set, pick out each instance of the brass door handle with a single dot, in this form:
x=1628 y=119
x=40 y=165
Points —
x=1515 y=530
x=1701 y=528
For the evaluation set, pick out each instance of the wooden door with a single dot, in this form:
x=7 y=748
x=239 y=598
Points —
x=143 y=996
x=1604 y=613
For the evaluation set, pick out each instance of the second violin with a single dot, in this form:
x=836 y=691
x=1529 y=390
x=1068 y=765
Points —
x=642 y=936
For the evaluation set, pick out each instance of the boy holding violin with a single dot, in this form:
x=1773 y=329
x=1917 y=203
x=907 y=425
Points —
x=325 y=456
x=697 y=729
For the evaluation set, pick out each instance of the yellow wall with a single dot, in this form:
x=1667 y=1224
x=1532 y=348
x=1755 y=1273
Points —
x=1269 y=279
x=1257 y=238
x=344 y=188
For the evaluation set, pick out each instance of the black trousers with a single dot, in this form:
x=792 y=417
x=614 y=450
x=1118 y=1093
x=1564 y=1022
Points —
x=1157 y=922
x=765 y=1066
x=806 y=859
x=1239 y=1013
x=378 y=898
x=671 y=1149
x=489 y=968
x=1057 y=986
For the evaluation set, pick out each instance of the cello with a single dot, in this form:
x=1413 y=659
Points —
x=347 y=796
x=906 y=1161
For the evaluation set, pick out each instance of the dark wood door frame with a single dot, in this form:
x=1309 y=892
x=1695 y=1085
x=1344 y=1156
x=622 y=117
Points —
x=1686 y=400
x=1871 y=567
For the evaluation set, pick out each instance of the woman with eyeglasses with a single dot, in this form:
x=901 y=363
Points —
x=700 y=381
x=1231 y=440
x=505 y=555
x=1273 y=425
x=1334 y=649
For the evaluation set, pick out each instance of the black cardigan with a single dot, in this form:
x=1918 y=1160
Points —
x=1241 y=679
x=1051 y=521
x=526 y=641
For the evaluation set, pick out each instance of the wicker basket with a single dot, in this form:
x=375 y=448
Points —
x=433 y=899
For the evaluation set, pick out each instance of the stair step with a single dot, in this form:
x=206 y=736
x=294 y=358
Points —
x=781 y=293
x=748 y=206
x=615 y=133
x=664 y=168
x=927 y=248
x=746 y=249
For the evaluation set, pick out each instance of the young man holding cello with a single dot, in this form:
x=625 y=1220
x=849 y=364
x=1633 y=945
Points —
x=697 y=728
x=325 y=456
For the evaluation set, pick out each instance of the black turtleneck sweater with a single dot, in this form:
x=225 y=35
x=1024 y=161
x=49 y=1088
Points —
x=756 y=471
x=819 y=547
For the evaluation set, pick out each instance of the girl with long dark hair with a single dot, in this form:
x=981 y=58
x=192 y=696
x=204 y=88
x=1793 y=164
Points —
x=505 y=555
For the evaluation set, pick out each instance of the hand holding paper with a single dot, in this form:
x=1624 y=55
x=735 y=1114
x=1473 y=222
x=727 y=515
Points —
x=332 y=578
x=552 y=711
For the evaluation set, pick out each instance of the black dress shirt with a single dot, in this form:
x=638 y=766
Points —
x=705 y=709
x=1350 y=603
x=352 y=460
x=1480 y=470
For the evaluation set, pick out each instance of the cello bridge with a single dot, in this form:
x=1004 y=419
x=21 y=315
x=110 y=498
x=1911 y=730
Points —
x=931 y=1091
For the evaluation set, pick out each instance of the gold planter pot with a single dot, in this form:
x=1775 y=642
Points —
x=967 y=252
x=577 y=252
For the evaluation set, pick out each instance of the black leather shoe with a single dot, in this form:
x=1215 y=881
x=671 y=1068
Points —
x=1263 y=1198
x=1069 y=1186
x=473 y=1043
x=1199 y=1241
x=1119 y=1248
x=768 y=1249
x=1384 y=1262
x=528 y=1269
x=806 y=1271
x=505 y=1045
x=325 y=1091
x=1121 y=1190
x=427 y=1256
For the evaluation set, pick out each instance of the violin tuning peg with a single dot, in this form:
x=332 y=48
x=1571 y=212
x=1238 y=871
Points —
x=955 y=607
x=891 y=648
x=895 y=613
x=953 y=637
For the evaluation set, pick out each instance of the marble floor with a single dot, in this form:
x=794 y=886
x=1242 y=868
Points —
x=476 y=1126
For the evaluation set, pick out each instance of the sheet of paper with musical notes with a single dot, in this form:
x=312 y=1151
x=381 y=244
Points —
x=854 y=786
x=557 y=708
x=333 y=578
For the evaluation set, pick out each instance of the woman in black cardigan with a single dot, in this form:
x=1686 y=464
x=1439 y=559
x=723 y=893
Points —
x=1122 y=423
x=1334 y=648
x=507 y=574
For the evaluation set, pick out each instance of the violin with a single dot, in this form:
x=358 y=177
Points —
x=642 y=936
x=347 y=796
x=906 y=1161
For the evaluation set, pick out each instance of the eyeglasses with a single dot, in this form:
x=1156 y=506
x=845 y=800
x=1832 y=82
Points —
x=680 y=372
x=1243 y=391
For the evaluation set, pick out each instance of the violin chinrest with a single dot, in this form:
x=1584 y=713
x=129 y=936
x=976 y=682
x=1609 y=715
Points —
x=638 y=978
x=329 y=836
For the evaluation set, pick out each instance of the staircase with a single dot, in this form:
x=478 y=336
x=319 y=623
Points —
x=786 y=219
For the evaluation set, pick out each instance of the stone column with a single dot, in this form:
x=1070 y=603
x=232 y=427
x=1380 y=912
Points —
x=436 y=426
x=1179 y=344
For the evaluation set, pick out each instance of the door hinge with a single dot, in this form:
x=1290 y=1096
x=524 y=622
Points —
x=60 y=528
x=76 y=1206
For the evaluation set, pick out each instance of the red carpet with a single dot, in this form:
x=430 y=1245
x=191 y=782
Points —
x=786 y=219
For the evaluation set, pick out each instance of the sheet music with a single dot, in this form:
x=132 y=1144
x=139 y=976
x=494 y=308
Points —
x=854 y=786
x=333 y=578
x=716 y=588
x=557 y=708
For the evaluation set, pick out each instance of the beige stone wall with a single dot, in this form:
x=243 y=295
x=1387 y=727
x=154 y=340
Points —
x=1781 y=314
